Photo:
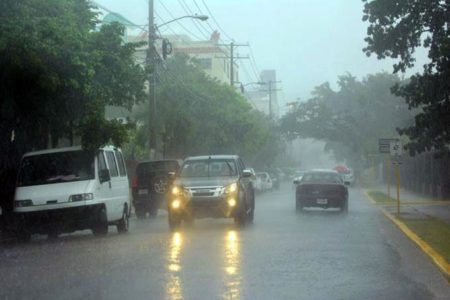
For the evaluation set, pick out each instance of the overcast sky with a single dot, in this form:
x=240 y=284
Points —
x=307 y=42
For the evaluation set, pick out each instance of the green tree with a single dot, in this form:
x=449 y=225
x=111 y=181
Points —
x=351 y=119
x=397 y=28
x=199 y=115
x=58 y=71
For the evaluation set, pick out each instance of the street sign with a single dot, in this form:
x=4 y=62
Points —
x=395 y=148
x=384 y=145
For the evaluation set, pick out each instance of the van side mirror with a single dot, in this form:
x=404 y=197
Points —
x=246 y=173
x=104 y=176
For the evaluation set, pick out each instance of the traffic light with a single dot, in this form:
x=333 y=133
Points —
x=166 y=48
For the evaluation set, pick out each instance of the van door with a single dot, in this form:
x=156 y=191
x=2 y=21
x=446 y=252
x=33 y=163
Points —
x=104 y=191
x=123 y=180
x=115 y=207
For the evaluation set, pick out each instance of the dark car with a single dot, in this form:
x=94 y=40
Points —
x=216 y=186
x=321 y=188
x=150 y=184
x=275 y=180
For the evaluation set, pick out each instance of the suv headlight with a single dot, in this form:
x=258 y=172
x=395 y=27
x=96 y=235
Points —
x=81 y=197
x=177 y=191
x=232 y=188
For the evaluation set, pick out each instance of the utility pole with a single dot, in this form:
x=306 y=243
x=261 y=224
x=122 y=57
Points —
x=233 y=58
x=270 y=83
x=152 y=132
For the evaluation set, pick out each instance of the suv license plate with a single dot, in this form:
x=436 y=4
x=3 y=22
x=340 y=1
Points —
x=322 y=201
x=143 y=192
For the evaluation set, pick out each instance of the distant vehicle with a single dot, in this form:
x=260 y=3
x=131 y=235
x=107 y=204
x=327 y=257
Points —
x=275 y=177
x=68 y=189
x=217 y=186
x=266 y=181
x=346 y=173
x=298 y=176
x=321 y=188
x=150 y=185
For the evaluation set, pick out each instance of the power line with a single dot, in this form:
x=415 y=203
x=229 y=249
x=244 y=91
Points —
x=253 y=62
x=188 y=11
x=215 y=21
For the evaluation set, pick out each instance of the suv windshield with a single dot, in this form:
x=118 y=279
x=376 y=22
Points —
x=56 y=167
x=209 y=168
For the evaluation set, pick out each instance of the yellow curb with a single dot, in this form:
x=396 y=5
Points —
x=370 y=198
x=438 y=260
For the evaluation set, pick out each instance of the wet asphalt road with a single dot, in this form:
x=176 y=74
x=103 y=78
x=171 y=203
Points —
x=318 y=255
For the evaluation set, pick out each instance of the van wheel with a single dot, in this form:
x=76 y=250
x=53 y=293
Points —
x=100 y=227
x=124 y=223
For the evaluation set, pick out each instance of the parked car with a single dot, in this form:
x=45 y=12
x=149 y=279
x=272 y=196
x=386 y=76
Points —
x=274 y=176
x=346 y=173
x=150 y=185
x=266 y=181
x=69 y=189
x=321 y=188
x=217 y=186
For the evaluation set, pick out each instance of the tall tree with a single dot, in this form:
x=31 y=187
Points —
x=58 y=71
x=397 y=28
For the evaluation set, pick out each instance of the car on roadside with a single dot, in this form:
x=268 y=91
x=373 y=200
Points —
x=150 y=184
x=216 y=186
x=68 y=189
x=275 y=177
x=323 y=189
x=346 y=173
x=266 y=181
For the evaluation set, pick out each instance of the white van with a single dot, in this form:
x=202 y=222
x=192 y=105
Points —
x=69 y=189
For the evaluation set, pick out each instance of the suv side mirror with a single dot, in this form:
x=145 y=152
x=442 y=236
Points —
x=246 y=173
x=104 y=175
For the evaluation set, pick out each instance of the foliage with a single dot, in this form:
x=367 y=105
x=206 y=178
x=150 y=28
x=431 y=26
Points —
x=351 y=119
x=397 y=29
x=58 y=71
x=199 y=115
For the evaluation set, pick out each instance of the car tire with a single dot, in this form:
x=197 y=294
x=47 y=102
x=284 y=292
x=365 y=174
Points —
x=100 y=227
x=52 y=234
x=153 y=211
x=140 y=213
x=241 y=217
x=124 y=223
x=23 y=236
x=251 y=214
x=174 y=222
x=299 y=207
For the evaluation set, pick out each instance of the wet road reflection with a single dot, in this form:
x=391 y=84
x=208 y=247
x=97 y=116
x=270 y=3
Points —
x=232 y=266
x=174 y=286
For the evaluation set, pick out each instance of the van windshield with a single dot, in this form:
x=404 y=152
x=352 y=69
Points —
x=56 y=168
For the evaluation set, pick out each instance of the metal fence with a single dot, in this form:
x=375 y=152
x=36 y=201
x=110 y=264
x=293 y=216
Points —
x=424 y=174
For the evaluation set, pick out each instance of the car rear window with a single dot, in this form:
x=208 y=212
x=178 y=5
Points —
x=145 y=169
x=209 y=168
x=321 y=178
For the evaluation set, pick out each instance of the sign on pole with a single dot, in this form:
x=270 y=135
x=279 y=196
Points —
x=384 y=145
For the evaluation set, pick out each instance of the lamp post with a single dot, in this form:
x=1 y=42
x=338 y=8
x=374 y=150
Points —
x=151 y=62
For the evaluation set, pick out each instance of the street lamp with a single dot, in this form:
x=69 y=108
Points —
x=151 y=61
x=198 y=17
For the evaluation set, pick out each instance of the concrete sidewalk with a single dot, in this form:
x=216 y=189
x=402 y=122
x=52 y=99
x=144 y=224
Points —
x=414 y=204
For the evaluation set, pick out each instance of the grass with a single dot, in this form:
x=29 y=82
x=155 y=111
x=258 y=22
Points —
x=434 y=232
x=380 y=197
